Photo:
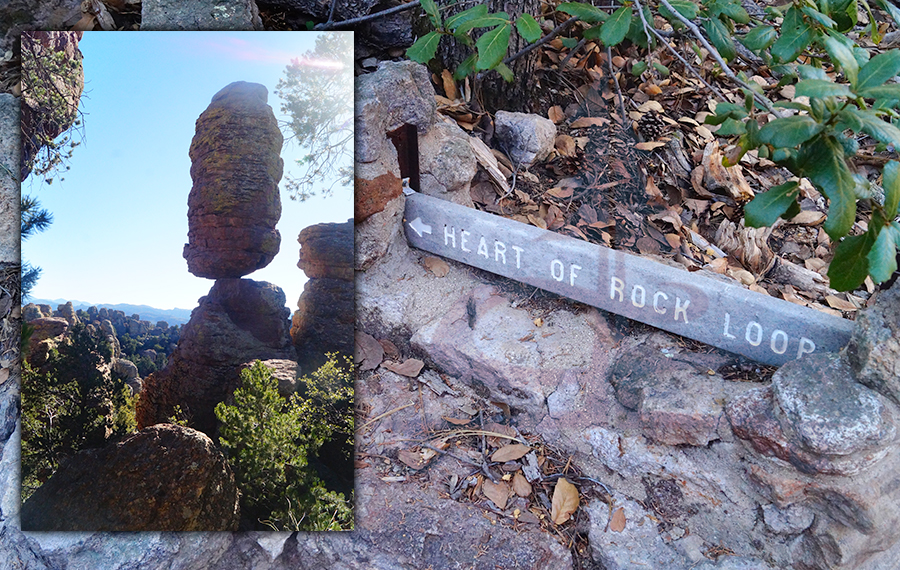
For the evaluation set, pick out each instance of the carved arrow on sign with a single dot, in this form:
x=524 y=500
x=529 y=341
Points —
x=707 y=309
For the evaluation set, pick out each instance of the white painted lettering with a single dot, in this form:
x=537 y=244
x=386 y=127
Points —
x=500 y=251
x=754 y=326
x=784 y=343
x=557 y=270
x=451 y=235
x=518 y=251
x=680 y=309
x=616 y=285
x=482 y=248
x=634 y=301
x=725 y=333
x=656 y=307
x=806 y=346
x=463 y=234
x=572 y=274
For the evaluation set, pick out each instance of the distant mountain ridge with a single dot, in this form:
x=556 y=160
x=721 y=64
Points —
x=146 y=312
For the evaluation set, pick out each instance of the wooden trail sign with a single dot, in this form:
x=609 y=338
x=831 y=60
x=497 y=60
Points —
x=716 y=312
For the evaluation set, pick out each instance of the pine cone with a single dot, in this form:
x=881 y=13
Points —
x=651 y=126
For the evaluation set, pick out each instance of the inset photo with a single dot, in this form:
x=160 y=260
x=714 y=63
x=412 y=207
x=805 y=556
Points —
x=187 y=365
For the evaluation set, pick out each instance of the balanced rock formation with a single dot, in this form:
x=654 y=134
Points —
x=164 y=478
x=239 y=321
x=324 y=319
x=234 y=204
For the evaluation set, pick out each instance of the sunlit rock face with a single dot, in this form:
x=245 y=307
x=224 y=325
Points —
x=234 y=203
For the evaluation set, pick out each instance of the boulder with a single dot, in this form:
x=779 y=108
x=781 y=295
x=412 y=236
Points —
x=237 y=322
x=874 y=349
x=323 y=321
x=125 y=369
x=164 y=478
x=21 y=15
x=284 y=370
x=326 y=251
x=200 y=15
x=67 y=312
x=526 y=138
x=234 y=204
x=32 y=312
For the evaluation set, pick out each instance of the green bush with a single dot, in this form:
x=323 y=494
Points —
x=268 y=442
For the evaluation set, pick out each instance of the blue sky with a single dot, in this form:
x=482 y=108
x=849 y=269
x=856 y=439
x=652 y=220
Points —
x=120 y=215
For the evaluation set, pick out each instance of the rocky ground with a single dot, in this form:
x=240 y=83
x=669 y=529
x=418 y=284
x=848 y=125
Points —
x=499 y=427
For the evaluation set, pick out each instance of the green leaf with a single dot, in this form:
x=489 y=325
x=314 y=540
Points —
x=788 y=132
x=466 y=68
x=736 y=13
x=492 y=47
x=883 y=256
x=879 y=69
x=810 y=72
x=890 y=92
x=792 y=105
x=488 y=21
x=818 y=16
x=759 y=38
x=572 y=42
x=891 y=184
x=425 y=47
x=850 y=265
x=718 y=35
x=876 y=128
x=585 y=12
x=730 y=127
x=432 y=11
x=767 y=207
x=638 y=68
x=725 y=111
x=662 y=69
x=614 y=29
x=891 y=9
x=505 y=72
x=456 y=20
x=843 y=55
x=821 y=88
x=687 y=9
x=528 y=28
x=823 y=163
x=792 y=43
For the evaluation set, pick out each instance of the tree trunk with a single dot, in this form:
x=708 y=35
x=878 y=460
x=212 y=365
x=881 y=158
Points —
x=492 y=91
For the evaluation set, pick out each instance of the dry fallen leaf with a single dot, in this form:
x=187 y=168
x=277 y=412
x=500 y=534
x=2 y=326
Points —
x=449 y=85
x=369 y=352
x=510 y=453
x=409 y=367
x=496 y=492
x=437 y=266
x=520 y=485
x=617 y=523
x=565 y=145
x=411 y=459
x=457 y=421
x=556 y=114
x=841 y=304
x=565 y=501
x=649 y=145
x=589 y=122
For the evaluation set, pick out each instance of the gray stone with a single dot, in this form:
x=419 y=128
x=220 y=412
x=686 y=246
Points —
x=874 y=349
x=447 y=163
x=10 y=157
x=200 y=15
x=829 y=412
x=793 y=519
x=125 y=369
x=638 y=545
x=684 y=408
x=21 y=15
x=526 y=138
x=284 y=370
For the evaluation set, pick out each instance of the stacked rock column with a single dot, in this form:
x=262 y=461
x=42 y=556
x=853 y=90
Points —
x=233 y=208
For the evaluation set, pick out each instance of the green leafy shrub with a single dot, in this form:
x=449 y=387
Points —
x=268 y=441
x=69 y=404
x=851 y=95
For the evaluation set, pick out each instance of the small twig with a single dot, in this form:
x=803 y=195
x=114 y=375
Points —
x=572 y=52
x=618 y=88
x=448 y=454
x=331 y=12
x=362 y=19
x=673 y=51
x=722 y=64
x=384 y=415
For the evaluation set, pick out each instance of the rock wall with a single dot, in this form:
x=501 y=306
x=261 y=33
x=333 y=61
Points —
x=323 y=321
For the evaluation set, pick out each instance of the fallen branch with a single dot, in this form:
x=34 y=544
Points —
x=362 y=19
